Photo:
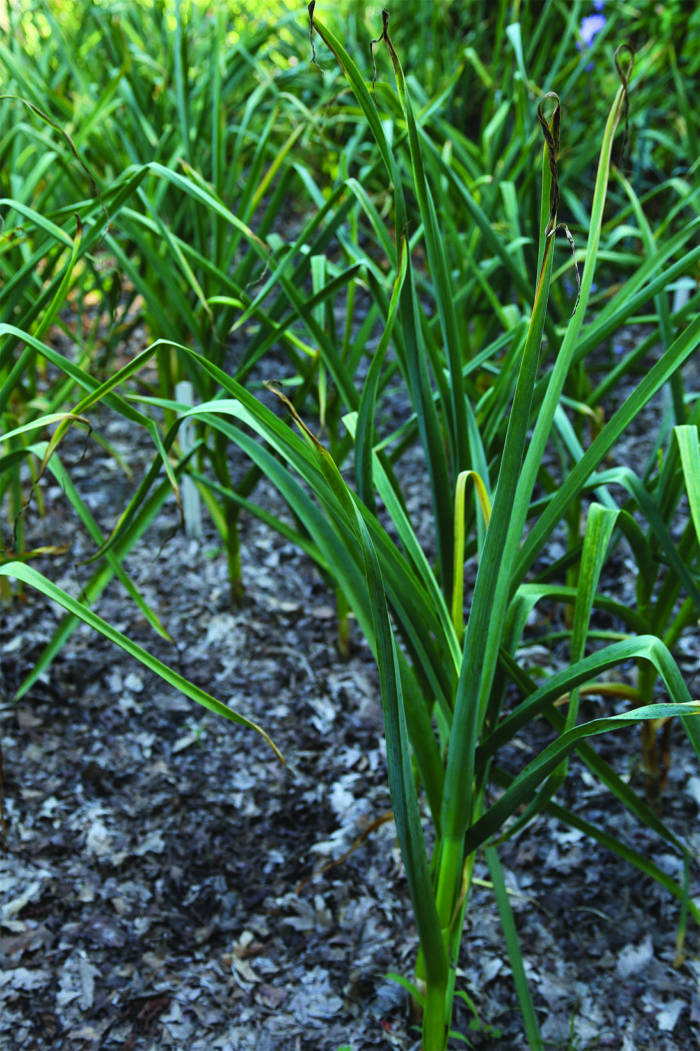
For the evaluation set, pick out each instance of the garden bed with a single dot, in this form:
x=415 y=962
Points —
x=150 y=885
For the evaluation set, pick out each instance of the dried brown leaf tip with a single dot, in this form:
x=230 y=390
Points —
x=311 y=9
x=551 y=131
x=625 y=77
x=270 y=385
x=551 y=138
x=314 y=27
x=382 y=38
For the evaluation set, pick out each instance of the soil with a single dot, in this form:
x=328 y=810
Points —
x=150 y=890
